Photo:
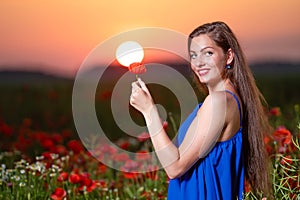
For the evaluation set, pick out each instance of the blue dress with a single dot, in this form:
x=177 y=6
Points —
x=219 y=175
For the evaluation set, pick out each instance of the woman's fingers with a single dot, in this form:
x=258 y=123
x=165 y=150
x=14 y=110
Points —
x=135 y=86
x=143 y=86
x=139 y=85
x=135 y=91
x=140 y=97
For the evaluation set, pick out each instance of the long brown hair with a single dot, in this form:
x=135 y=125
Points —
x=255 y=121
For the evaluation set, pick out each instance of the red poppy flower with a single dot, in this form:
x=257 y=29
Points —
x=60 y=149
x=165 y=125
x=40 y=136
x=87 y=184
x=121 y=157
x=62 y=177
x=47 y=155
x=267 y=139
x=282 y=136
x=131 y=175
x=275 y=112
x=102 y=168
x=75 y=146
x=142 y=155
x=57 y=138
x=130 y=165
x=268 y=147
x=130 y=169
x=124 y=145
x=74 y=178
x=137 y=68
x=247 y=186
x=108 y=149
x=47 y=144
x=6 y=130
x=58 y=194
x=101 y=183
x=143 y=137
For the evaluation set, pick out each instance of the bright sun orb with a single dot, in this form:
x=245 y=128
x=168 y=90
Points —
x=129 y=52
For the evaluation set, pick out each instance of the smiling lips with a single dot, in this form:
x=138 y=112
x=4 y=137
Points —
x=203 y=72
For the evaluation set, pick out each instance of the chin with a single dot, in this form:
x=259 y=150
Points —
x=202 y=80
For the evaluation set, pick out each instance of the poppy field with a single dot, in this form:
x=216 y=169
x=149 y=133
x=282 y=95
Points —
x=42 y=157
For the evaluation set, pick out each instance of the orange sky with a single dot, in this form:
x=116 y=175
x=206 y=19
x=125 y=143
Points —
x=60 y=33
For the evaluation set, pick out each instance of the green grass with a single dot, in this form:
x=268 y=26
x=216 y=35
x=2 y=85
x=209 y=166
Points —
x=49 y=103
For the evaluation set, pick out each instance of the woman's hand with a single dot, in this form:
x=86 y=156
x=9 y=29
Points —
x=140 y=97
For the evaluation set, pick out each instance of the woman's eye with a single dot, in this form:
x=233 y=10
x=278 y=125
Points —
x=209 y=53
x=193 y=56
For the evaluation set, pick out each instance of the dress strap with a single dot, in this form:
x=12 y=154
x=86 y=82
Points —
x=239 y=105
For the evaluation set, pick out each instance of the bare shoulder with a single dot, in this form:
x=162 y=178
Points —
x=216 y=98
x=215 y=102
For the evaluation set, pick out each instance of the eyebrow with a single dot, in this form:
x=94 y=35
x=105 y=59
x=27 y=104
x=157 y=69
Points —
x=202 y=49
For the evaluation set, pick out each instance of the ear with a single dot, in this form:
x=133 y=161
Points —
x=230 y=56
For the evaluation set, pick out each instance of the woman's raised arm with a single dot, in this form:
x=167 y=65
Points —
x=201 y=136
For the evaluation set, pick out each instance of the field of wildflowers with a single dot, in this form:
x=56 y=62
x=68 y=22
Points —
x=42 y=157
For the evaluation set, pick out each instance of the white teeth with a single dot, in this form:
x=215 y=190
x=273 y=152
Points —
x=203 y=72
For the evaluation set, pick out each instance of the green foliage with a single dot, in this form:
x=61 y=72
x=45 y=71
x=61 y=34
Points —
x=34 y=115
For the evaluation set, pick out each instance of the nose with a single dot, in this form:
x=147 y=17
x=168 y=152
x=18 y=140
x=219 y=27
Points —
x=197 y=62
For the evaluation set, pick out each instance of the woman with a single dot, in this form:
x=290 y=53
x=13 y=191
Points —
x=222 y=139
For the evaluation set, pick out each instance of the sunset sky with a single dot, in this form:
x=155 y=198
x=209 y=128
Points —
x=55 y=36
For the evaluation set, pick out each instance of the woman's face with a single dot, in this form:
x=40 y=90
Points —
x=208 y=60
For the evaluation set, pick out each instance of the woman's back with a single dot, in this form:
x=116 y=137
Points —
x=219 y=175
